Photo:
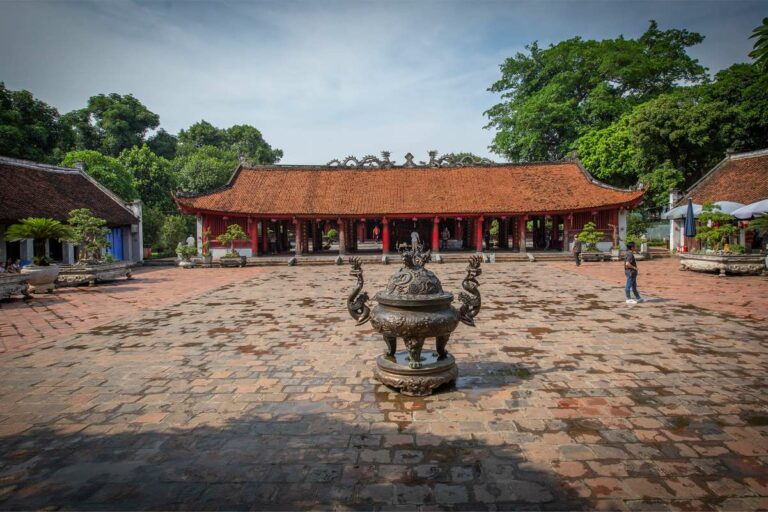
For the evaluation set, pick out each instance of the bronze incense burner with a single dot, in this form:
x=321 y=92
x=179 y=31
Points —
x=414 y=307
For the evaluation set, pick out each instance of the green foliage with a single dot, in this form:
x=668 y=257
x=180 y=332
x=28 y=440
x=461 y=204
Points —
x=185 y=252
x=173 y=231
x=759 y=224
x=494 y=229
x=152 y=220
x=163 y=144
x=89 y=232
x=738 y=249
x=637 y=225
x=106 y=170
x=721 y=229
x=552 y=96
x=590 y=236
x=29 y=128
x=111 y=123
x=205 y=249
x=332 y=234
x=233 y=232
x=760 y=49
x=204 y=169
x=39 y=229
x=152 y=175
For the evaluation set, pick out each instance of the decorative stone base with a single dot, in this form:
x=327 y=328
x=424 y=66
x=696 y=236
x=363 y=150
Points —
x=12 y=284
x=232 y=262
x=76 y=275
x=739 y=264
x=419 y=381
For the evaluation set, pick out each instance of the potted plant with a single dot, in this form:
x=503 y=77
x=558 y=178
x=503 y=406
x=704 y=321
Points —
x=185 y=253
x=329 y=237
x=42 y=273
x=205 y=248
x=590 y=237
x=95 y=265
x=715 y=230
x=232 y=258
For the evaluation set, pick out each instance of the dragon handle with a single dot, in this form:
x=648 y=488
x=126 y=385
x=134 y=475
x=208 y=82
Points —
x=357 y=301
x=470 y=298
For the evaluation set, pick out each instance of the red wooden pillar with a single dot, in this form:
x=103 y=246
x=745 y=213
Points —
x=523 y=222
x=436 y=235
x=479 y=234
x=385 y=236
x=459 y=235
x=253 y=227
x=264 y=236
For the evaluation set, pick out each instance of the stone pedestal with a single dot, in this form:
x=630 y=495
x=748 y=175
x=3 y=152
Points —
x=422 y=381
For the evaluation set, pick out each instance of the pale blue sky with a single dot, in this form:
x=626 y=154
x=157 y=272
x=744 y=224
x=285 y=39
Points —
x=321 y=79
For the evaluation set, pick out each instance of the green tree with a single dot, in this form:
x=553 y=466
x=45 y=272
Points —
x=233 y=232
x=39 y=229
x=200 y=134
x=760 y=49
x=152 y=220
x=152 y=176
x=163 y=144
x=245 y=140
x=715 y=227
x=174 y=231
x=552 y=96
x=29 y=128
x=89 y=232
x=204 y=169
x=106 y=170
x=590 y=236
x=111 y=123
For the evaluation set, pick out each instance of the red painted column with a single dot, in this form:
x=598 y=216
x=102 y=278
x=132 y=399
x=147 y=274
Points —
x=479 y=233
x=459 y=235
x=385 y=236
x=253 y=227
x=522 y=241
x=436 y=235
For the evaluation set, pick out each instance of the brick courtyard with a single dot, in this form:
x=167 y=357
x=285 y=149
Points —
x=250 y=389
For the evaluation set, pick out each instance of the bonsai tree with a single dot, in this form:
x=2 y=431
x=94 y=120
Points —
x=494 y=232
x=89 y=232
x=716 y=227
x=186 y=252
x=205 y=246
x=590 y=236
x=234 y=232
x=39 y=229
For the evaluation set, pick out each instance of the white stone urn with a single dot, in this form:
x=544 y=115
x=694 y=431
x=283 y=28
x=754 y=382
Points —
x=42 y=278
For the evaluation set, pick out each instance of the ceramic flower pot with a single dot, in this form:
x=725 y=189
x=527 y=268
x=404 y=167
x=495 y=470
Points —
x=42 y=278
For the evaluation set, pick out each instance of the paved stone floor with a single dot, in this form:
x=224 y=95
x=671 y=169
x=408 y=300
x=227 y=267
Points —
x=255 y=392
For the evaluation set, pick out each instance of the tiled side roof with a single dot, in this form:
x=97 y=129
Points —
x=741 y=178
x=35 y=190
x=285 y=190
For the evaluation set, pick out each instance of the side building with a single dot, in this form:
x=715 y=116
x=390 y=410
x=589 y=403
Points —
x=531 y=207
x=32 y=189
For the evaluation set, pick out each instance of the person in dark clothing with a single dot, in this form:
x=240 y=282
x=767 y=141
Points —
x=577 y=250
x=630 y=270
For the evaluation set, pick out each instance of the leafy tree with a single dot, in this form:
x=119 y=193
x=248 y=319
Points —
x=233 y=232
x=111 y=123
x=715 y=227
x=152 y=176
x=89 y=232
x=552 y=96
x=760 y=49
x=247 y=141
x=106 y=170
x=39 y=229
x=29 y=128
x=200 y=134
x=174 y=231
x=163 y=144
x=152 y=220
x=590 y=236
x=204 y=169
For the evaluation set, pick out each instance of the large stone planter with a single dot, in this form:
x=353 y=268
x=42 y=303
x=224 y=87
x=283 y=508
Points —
x=232 y=261
x=594 y=256
x=737 y=264
x=13 y=284
x=41 y=278
x=91 y=274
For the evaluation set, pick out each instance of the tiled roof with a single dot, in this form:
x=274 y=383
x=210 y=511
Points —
x=502 y=188
x=36 y=190
x=741 y=178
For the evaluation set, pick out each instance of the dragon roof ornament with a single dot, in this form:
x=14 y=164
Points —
x=448 y=160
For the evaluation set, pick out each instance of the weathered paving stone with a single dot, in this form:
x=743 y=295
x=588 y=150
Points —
x=253 y=390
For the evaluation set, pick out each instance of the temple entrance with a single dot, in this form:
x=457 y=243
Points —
x=545 y=233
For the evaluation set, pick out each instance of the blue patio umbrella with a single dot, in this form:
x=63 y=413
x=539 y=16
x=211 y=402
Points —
x=690 y=221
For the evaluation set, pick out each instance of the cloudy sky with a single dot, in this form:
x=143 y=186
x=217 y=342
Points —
x=324 y=79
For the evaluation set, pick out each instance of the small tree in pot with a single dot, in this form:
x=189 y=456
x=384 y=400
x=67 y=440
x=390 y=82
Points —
x=90 y=233
x=42 y=274
x=716 y=227
x=234 y=232
x=590 y=236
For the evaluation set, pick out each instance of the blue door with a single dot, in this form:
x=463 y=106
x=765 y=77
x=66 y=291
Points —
x=115 y=238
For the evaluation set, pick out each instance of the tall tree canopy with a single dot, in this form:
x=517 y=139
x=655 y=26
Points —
x=152 y=176
x=29 y=128
x=106 y=170
x=760 y=49
x=551 y=97
x=111 y=123
x=163 y=144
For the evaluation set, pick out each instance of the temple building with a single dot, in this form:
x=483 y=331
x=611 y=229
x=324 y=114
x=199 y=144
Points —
x=32 y=189
x=375 y=205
